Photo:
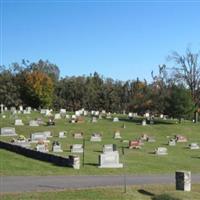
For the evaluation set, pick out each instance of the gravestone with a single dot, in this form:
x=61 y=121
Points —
x=144 y=122
x=40 y=121
x=18 y=122
x=172 y=142
x=78 y=135
x=151 y=139
x=144 y=137
x=180 y=138
x=130 y=115
x=96 y=137
x=56 y=147
x=63 y=111
x=94 y=120
x=110 y=160
x=109 y=148
x=161 y=151
x=33 y=123
x=183 y=180
x=115 y=119
x=51 y=122
x=57 y=116
x=135 y=144
x=42 y=148
x=77 y=148
x=193 y=146
x=75 y=161
x=62 y=134
x=42 y=111
x=21 y=108
x=39 y=136
x=117 y=135
x=8 y=131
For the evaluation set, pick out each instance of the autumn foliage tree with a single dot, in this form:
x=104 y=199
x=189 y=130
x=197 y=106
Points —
x=38 y=89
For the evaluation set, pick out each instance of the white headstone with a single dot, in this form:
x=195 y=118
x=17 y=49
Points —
x=62 y=134
x=183 y=180
x=96 y=137
x=57 y=116
x=42 y=148
x=117 y=135
x=8 y=131
x=77 y=148
x=110 y=160
x=161 y=151
x=18 y=122
x=115 y=119
x=193 y=146
x=33 y=123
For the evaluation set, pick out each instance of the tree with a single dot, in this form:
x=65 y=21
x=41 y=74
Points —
x=9 y=90
x=187 y=71
x=38 y=89
x=179 y=102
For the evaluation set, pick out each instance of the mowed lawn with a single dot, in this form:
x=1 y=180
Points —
x=147 y=192
x=141 y=161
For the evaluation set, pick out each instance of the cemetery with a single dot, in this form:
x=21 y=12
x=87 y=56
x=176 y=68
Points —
x=67 y=139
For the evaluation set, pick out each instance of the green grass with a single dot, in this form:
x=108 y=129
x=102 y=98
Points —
x=135 y=161
x=146 y=192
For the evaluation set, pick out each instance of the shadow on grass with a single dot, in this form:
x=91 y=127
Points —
x=92 y=164
x=138 y=121
x=144 y=192
x=196 y=157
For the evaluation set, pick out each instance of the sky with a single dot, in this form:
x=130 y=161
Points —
x=118 y=39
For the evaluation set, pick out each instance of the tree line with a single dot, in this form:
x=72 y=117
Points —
x=174 y=91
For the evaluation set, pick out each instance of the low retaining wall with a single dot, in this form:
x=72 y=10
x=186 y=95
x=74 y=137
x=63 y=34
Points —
x=57 y=160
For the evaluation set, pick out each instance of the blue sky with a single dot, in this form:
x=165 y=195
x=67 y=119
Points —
x=119 y=39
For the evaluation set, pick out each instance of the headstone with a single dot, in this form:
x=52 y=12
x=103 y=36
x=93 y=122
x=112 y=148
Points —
x=63 y=111
x=42 y=148
x=193 y=146
x=21 y=108
x=144 y=122
x=18 y=122
x=67 y=116
x=180 y=138
x=96 y=137
x=51 y=122
x=78 y=135
x=62 y=134
x=75 y=161
x=40 y=121
x=8 y=131
x=144 y=137
x=57 y=116
x=109 y=148
x=108 y=115
x=47 y=133
x=77 y=113
x=172 y=142
x=33 y=123
x=3 y=116
x=110 y=160
x=130 y=115
x=134 y=144
x=94 y=120
x=56 y=147
x=161 y=151
x=39 y=136
x=183 y=180
x=77 y=148
x=151 y=139
x=42 y=111
x=117 y=135
x=115 y=119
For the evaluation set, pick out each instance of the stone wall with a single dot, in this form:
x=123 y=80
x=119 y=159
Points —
x=57 y=160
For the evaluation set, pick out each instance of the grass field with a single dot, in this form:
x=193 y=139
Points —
x=136 y=161
x=147 y=192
